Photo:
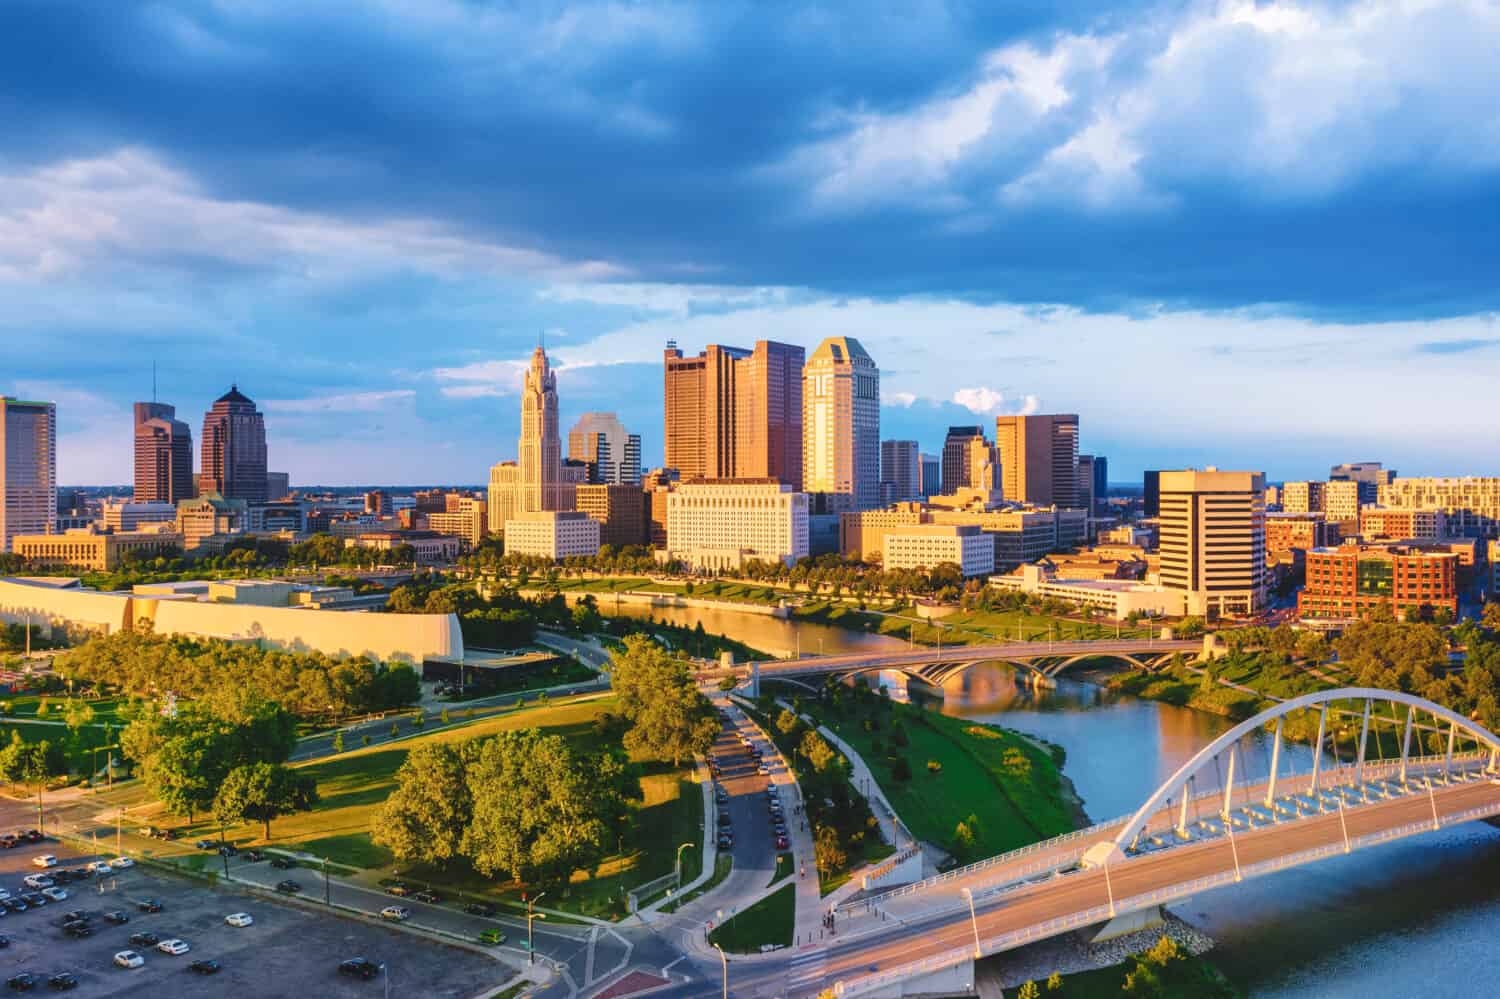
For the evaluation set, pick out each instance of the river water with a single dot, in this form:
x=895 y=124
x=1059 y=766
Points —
x=1416 y=917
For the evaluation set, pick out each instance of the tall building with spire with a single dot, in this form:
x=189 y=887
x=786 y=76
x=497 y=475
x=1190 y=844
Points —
x=234 y=449
x=540 y=449
x=163 y=455
x=841 y=426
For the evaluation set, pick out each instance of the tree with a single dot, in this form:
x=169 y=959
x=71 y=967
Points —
x=1055 y=982
x=261 y=792
x=787 y=722
x=338 y=742
x=1029 y=990
x=541 y=810
x=669 y=718
x=424 y=819
x=828 y=852
x=32 y=764
x=817 y=750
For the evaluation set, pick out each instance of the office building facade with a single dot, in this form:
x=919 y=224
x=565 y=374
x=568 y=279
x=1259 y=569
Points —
x=734 y=413
x=619 y=509
x=1471 y=505
x=956 y=467
x=1039 y=459
x=932 y=475
x=163 y=455
x=724 y=523
x=28 y=469
x=552 y=534
x=901 y=470
x=841 y=426
x=1353 y=579
x=611 y=453
x=233 y=461
x=927 y=546
x=1213 y=540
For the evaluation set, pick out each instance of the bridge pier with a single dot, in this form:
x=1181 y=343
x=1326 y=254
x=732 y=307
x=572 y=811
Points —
x=1130 y=922
x=1040 y=681
x=754 y=680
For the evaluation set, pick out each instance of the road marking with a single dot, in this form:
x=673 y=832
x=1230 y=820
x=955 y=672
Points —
x=666 y=969
x=807 y=968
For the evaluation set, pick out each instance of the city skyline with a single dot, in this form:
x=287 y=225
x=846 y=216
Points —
x=1058 y=192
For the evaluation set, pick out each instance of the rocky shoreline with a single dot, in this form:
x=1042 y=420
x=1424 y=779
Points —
x=1073 y=953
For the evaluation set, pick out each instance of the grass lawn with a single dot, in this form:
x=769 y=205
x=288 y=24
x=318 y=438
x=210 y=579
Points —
x=768 y=922
x=723 y=864
x=1011 y=785
x=354 y=784
x=24 y=706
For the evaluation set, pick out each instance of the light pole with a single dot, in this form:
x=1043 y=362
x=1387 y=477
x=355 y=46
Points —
x=973 y=921
x=327 y=893
x=685 y=846
x=1110 y=888
x=385 y=974
x=725 y=962
x=530 y=916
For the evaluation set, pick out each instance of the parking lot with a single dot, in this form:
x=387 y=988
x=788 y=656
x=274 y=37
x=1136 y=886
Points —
x=290 y=950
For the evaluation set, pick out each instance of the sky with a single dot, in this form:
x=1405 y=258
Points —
x=1255 y=235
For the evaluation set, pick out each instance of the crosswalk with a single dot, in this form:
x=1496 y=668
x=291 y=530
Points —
x=805 y=972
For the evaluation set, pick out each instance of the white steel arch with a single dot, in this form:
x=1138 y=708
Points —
x=1177 y=785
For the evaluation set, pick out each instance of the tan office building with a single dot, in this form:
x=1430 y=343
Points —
x=656 y=486
x=734 y=413
x=1039 y=459
x=841 y=426
x=464 y=517
x=131 y=516
x=862 y=532
x=1213 y=540
x=1341 y=503
x=95 y=550
x=619 y=509
x=552 y=534
x=1472 y=505
x=1303 y=497
x=206 y=517
x=1402 y=524
x=929 y=545
x=542 y=485
x=722 y=523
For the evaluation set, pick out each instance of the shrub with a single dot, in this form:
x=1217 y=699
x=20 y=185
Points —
x=934 y=767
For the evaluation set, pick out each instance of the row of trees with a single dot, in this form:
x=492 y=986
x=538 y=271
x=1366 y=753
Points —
x=145 y=665
x=502 y=619
x=841 y=820
x=522 y=805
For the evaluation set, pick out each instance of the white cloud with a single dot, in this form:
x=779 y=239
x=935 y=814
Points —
x=481 y=379
x=983 y=401
x=131 y=207
x=675 y=299
x=902 y=399
x=354 y=402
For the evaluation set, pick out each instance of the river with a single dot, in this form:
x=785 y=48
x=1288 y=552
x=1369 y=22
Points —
x=1416 y=917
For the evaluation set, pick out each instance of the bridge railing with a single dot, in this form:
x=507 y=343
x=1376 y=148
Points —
x=1159 y=896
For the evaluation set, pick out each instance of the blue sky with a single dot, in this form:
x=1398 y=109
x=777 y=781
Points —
x=1255 y=235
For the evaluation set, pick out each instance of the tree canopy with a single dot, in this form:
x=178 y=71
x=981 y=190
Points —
x=669 y=718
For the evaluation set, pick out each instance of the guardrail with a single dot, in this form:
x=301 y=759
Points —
x=1159 y=896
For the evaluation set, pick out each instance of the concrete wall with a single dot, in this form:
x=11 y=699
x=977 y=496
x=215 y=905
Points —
x=401 y=637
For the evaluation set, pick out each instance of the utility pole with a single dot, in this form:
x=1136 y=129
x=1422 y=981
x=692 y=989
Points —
x=725 y=962
x=974 y=922
x=530 y=916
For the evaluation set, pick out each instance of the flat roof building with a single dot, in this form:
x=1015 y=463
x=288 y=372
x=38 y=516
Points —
x=552 y=534
x=734 y=413
x=1039 y=459
x=130 y=516
x=163 y=455
x=1213 y=540
x=926 y=546
x=1405 y=523
x=1349 y=581
x=717 y=524
x=28 y=469
x=1472 y=505
x=464 y=517
x=94 y=550
x=620 y=511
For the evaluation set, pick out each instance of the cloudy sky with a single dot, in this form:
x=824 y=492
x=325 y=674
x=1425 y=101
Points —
x=1258 y=235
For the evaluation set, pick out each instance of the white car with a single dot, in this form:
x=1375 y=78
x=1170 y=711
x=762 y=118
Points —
x=173 y=946
x=4 y=894
x=396 y=912
x=36 y=882
x=101 y=867
x=56 y=894
x=121 y=863
x=239 y=919
x=44 y=860
x=129 y=959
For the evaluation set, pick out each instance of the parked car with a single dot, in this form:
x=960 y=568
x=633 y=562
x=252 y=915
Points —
x=726 y=841
x=78 y=929
x=397 y=913
x=288 y=887
x=63 y=981
x=359 y=967
x=101 y=867
x=56 y=894
x=239 y=919
x=4 y=941
x=145 y=939
x=35 y=899
x=205 y=966
x=129 y=959
x=24 y=982
x=149 y=905
x=205 y=844
x=253 y=856
x=173 y=946
x=430 y=897
x=32 y=836
x=493 y=937
x=283 y=863
x=122 y=863
x=36 y=882
x=117 y=916
x=77 y=916
x=229 y=850
x=480 y=909
x=17 y=904
x=400 y=889
x=782 y=843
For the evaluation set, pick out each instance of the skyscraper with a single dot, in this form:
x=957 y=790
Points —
x=1213 y=539
x=540 y=447
x=233 y=461
x=932 y=475
x=901 y=469
x=163 y=455
x=956 y=465
x=841 y=426
x=612 y=453
x=734 y=413
x=28 y=469
x=1039 y=459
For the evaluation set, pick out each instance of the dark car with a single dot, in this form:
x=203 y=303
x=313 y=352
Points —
x=288 y=887
x=35 y=899
x=205 y=967
x=359 y=967
x=78 y=930
x=149 y=905
x=145 y=939
x=254 y=856
x=430 y=897
x=229 y=850
x=16 y=904
x=205 y=844
x=283 y=863
x=63 y=981
x=24 y=982
x=780 y=829
x=726 y=841
x=480 y=909
x=117 y=916
x=400 y=889
x=4 y=941
x=32 y=836
x=77 y=915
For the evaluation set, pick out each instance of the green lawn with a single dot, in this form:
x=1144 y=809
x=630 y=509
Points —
x=768 y=922
x=1007 y=782
x=25 y=706
x=352 y=786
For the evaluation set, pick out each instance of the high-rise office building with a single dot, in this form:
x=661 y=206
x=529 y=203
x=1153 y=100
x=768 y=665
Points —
x=28 y=469
x=163 y=455
x=503 y=492
x=841 y=426
x=234 y=449
x=1101 y=481
x=1039 y=459
x=1213 y=539
x=901 y=469
x=612 y=454
x=540 y=447
x=734 y=413
x=1370 y=475
x=1086 y=483
x=956 y=467
x=1305 y=497
x=932 y=475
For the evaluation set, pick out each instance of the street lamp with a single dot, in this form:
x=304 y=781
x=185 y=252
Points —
x=530 y=944
x=974 y=921
x=725 y=961
x=685 y=846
